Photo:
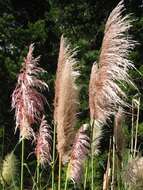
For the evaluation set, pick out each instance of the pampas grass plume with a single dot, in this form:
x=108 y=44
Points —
x=80 y=151
x=9 y=169
x=66 y=99
x=27 y=99
x=43 y=143
x=133 y=174
x=105 y=93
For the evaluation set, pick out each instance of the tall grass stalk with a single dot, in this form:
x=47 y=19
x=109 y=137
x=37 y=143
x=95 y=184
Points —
x=53 y=160
x=132 y=130
x=113 y=165
x=137 y=126
x=33 y=180
x=22 y=164
x=59 y=178
x=86 y=175
x=107 y=175
x=67 y=174
x=38 y=174
x=92 y=169
x=92 y=158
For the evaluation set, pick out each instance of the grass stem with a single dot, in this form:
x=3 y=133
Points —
x=22 y=164
x=38 y=174
x=86 y=174
x=113 y=165
x=59 y=179
x=67 y=174
x=92 y=159
x=137 y=126
x=53 y=161
x=132 y=130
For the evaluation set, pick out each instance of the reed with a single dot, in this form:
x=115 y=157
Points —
x=53 y=157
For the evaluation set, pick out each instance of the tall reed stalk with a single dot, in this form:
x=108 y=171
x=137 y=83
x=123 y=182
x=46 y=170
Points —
x=32 y=177
x=38 y=174
x=113 y=164
x=67 y=175
x=136 y=128
x=53 y=156
x=107 y=174
x=92 y=159
x=22 y=163
x=132 y=129
x=86 y=175
x=59 y=177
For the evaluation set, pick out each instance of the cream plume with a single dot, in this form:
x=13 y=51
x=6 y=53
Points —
x=66 y=99
x=9 y=169
x=60 y=66
x=27 y=101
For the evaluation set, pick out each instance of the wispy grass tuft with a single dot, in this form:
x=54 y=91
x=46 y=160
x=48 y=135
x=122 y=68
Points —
x=9 y=169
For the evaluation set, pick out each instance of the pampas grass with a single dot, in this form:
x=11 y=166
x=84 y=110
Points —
x=43 y=143
x=133 y=174
x=66 y=99
x=73 y=146
x=27 y=101
x=43 y=146
x=9 y=169
x=80 y=151
x=105 y=94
